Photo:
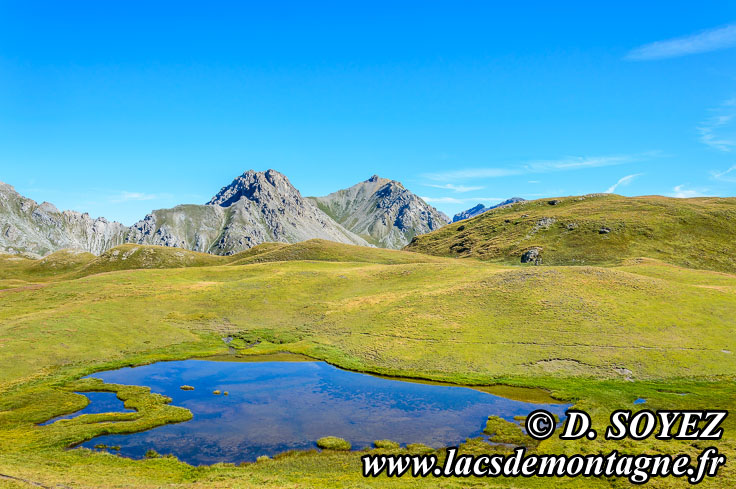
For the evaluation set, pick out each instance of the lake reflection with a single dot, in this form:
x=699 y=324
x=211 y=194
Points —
x=273 y=407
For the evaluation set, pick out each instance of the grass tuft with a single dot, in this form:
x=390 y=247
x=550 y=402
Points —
x=333 y=443
x=386 y=444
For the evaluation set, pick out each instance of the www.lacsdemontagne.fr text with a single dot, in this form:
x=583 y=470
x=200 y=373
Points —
x=540 y=424
x=636 y=468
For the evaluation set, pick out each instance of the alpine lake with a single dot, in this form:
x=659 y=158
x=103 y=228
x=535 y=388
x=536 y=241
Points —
x=252 y=406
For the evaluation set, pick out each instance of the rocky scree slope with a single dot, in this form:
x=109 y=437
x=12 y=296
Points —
x=27 y=227
x=382 y=212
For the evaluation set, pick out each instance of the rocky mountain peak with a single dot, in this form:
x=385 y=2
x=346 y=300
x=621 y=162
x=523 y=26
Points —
x=254 y=208
x=377 y=184
x=382 y=211
x=376 y=181
x=258 y=187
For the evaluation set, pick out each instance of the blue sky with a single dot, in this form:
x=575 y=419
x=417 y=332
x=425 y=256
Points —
x=117 y=108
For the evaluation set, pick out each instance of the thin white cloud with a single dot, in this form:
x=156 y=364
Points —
x=682 y=193
x=725 y=176
x=132 y=196
x=453 y=200
x=541 y=166
x=575 y=162
x=719 y=131
x=474 y=173
x=622 y=182
x=456 y=188
x=702 y=42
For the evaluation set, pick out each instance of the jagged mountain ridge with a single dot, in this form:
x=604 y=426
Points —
x=480 y=209
x=382 y=211
x=256 y=207
x=40 y=229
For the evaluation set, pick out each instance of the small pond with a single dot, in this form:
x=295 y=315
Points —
x=275 y=406
x=99 y=402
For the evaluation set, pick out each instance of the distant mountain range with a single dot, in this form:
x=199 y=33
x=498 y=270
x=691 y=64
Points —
x=480 y=209
x=256 y=207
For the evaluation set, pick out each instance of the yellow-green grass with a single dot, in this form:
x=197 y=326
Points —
x=16 y=270
x=696 y=233
x=69 y=264
x=502 y=431
x=597 y=337
x=132 y=256
x=322 y=250
x=386 y=444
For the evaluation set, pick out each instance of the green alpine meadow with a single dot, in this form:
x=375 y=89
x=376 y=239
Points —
x=598 y=336
x=367 y=245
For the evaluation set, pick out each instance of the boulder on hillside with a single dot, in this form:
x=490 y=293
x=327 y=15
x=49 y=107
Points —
x=532 y=255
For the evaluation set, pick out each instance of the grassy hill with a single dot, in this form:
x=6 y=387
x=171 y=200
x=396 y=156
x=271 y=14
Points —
x=70 y=264
x=598 y=337
x=596 y=230
x=132 y=256
x=17 y=270
x=322 y=250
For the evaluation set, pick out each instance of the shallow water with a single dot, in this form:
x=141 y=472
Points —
x=99 y=402
x=277 y=406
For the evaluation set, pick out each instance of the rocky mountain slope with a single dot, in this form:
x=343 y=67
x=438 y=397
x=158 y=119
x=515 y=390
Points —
x=382 y=212
x=596 y=229
x=40 y=229
x=257 y=207
x=480 y=209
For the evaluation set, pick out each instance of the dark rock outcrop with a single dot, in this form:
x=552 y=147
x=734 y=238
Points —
x=532 y=255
